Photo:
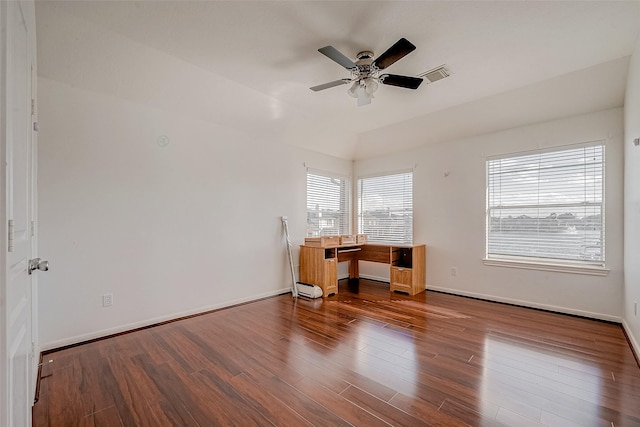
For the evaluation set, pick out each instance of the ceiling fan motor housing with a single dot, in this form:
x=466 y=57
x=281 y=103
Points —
x=365 y=55
x=366 y=68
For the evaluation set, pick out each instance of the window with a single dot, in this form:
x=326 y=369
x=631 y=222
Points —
x=327 y=204
x=547 y=206
x=385 y=208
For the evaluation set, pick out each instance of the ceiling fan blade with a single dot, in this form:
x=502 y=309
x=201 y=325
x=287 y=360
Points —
x=330 y=84
x=400 y=81
x=396 y=52
x=337 y=56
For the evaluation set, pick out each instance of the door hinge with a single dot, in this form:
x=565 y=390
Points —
x=33 y=107
x=10 y=236
x=33 y=228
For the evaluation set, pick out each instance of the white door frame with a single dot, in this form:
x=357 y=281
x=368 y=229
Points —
x=4 y=362
x=34 y=229
x=28 y=10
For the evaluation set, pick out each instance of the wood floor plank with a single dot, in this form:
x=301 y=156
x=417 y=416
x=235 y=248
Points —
x=481 y=415
x=170 y=395
x=339 y=405
x=264 y=402
x=40 y=413
x=132 y=389
x=312 y=411
x=364 y=357
x=424 y=410
x=381 y=409
x=225 y=406
x=108 y=417
x=62 y=395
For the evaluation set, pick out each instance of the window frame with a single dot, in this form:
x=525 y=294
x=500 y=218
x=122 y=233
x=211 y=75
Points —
x=358 y=206
x=548 y=264
x=346 y=214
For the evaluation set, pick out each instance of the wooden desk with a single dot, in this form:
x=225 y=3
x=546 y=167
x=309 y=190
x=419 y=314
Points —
x=407 y=265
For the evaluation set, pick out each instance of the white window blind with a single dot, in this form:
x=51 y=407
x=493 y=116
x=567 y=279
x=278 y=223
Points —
x=327 y=204
x=547 y=205
x=385 y=208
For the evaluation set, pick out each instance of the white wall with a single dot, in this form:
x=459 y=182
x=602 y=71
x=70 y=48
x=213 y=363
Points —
x=169 y=229
x=449 y=216
x=632 y=201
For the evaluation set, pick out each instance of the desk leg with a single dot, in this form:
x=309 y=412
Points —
x=354 y=275
x=354 y=272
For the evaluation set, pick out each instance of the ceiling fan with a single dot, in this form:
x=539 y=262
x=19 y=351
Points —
x=366 y=71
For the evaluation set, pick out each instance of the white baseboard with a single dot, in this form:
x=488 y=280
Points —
x=141 y=324
x=557 y=309
x=632 y=339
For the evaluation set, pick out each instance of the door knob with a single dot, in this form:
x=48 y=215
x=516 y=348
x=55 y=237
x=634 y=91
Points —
x=38 y=264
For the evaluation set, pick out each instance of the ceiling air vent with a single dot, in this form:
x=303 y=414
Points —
x=435 y=74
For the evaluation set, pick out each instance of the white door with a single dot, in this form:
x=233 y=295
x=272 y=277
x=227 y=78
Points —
x=17 y=134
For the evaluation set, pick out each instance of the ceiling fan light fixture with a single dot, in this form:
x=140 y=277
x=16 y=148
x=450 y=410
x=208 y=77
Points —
x=364 y=98
x=370 y=85
x=363 y=90
x=353 y=90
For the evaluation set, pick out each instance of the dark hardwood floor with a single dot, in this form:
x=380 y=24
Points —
x=366 y=358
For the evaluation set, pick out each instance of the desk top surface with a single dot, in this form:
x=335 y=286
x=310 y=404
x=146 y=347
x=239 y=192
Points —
x=354 y=245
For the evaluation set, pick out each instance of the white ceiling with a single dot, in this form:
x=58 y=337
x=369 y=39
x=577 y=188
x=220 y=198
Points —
x=502 y=54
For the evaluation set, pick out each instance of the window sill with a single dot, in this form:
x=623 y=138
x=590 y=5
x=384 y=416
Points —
x=591 y=270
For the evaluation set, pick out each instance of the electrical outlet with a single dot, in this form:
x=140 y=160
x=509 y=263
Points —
x=107 y=300
x=454 y=271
